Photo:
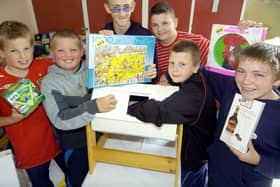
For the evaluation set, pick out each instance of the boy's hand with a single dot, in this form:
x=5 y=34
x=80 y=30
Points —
x=251 y=157
x=245 y=24
x=163 y=81
x=16 y=116
x=151 y=72
x=106 y=32
x=106 y=103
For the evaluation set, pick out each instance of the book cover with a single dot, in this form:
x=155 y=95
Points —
x=241 y=122
x=23 y=96
x=226 y=42
x=118 y=59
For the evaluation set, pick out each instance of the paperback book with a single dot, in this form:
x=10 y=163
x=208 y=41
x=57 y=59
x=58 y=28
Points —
x=241 y=122
x=226 y=42
x=23 y=96
x=118 y=59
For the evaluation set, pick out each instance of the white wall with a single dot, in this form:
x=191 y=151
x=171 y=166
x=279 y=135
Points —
x=19 y=10
x=266 y=11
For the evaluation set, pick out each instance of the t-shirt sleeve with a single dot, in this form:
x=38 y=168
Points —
x=204 y=49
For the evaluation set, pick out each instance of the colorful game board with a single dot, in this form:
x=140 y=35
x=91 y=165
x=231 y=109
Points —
x=116 y=60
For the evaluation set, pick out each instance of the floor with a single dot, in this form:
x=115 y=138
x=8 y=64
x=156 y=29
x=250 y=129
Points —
x=57 y=175
x=107 y=175
x=120 y=176
x=126 y=177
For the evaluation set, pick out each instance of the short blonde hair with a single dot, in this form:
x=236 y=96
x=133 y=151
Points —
x=11 y=30
x=66 y=33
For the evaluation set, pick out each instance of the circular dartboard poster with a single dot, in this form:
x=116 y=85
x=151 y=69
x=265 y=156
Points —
x=227 y=47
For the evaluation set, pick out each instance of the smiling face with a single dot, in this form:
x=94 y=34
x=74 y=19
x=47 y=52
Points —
x=255 y=79
x=181 y=66
x=66 y=53
x=120 y=10
x=18 y=54
x=164 y=27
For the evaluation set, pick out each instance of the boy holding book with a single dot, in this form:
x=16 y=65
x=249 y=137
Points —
x=193 y=106
x=257 y=74
x=31 y=136
x=68 y=103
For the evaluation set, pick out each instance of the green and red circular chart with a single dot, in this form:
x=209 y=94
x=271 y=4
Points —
x=225 y=43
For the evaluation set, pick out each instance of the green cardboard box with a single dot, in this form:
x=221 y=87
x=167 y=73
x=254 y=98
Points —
x=23 y=96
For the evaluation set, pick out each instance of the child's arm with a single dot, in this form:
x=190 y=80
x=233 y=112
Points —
x=75 y=101
x=106 y=103
x=264 y=163
x=163 y=80
x=66 y=116
x=13 y=118
x=245 y=24
x=150 y=111
x=219 y=83
x=251 y=157
x=180 y=107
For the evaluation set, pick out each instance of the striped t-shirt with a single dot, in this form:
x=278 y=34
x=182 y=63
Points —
x=163 y=52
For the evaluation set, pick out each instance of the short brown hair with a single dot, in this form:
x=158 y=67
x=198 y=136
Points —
x=264 y=53
x=187 y=46
x=66 y=33
x=162 y=7
x=11 y=30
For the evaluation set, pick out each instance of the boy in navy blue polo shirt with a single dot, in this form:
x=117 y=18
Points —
x=121 y=11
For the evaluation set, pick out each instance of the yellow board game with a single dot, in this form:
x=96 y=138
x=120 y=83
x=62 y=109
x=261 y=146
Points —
x=116 y=60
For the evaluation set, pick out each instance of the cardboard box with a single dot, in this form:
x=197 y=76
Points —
x=23 y=96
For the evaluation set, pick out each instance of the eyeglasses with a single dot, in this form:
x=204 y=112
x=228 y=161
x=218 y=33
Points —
x=119 y=9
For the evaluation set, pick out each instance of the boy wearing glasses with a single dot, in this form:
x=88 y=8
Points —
x=121 y=24
x=121 y=11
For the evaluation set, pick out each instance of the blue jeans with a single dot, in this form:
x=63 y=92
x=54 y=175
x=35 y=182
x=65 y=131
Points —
x=39 y=175
x=194 y=178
